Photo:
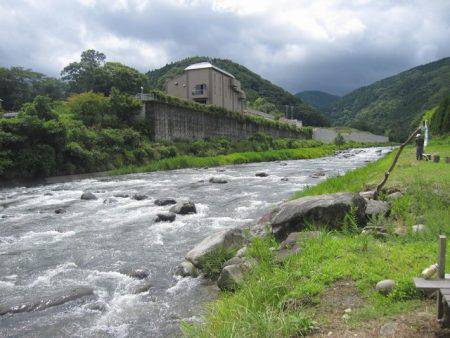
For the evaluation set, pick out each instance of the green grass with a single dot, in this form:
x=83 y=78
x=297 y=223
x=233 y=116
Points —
x=188 y=161
x=180 y=162
x=212 y=262
x=259 y=308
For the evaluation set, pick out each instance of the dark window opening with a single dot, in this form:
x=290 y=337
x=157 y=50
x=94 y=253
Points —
x=199 y=89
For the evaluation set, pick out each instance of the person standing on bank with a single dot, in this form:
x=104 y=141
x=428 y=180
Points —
x=419 y=146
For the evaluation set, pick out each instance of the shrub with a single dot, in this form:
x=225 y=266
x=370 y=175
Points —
x=90 y=107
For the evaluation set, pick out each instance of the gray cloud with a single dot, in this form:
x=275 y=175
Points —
x=334 y=46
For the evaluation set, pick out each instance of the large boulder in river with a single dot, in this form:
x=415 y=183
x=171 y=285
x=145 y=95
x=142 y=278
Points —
x=323 y=210
x=226 y=239
x=88 y=196
x=184 y=208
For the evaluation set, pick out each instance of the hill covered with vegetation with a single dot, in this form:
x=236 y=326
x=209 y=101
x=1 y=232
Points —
x=395 y=105
x=318 y=99
x=275 y=98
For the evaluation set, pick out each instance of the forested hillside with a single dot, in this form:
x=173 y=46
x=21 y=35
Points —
x=254 y=86
x=394 y=105
x=318 y=99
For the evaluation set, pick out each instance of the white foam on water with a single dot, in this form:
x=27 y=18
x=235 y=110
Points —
x=183 y=285
x=47 y=277
x=6 y=285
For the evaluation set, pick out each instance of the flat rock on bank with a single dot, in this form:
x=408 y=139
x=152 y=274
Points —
x=324 y=210
x=227 y=239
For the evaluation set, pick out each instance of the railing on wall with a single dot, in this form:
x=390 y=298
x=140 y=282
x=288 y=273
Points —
x=146 y=97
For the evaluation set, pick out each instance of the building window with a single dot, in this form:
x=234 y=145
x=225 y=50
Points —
x=199 y=89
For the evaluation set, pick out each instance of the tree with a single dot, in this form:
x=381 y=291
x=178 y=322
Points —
x=440 y=121
x=123 y=106
x=19 y=85
x=339 y=140
x=88 y=74
x=41 y=107
x=93 y=74
x=90 y=107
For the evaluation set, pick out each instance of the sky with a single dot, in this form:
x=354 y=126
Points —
x=329 y=45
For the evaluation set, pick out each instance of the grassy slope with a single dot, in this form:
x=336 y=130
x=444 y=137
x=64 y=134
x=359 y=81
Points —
x=261 y=307
x=180 y=162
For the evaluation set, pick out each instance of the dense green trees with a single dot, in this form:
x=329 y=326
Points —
x=440 y=121
x=19 y=85
x=92 y=73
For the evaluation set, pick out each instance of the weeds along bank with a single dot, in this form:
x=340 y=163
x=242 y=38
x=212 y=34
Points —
x=91 y=132
x=289 y=298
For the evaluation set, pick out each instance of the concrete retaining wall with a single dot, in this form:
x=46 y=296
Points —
x=329 y=134
x=169 y=122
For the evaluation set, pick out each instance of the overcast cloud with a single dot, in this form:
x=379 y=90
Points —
x=334 y=46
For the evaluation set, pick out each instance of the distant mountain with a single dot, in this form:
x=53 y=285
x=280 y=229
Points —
x=393 y=106
x=317 y=99
x=253 y=84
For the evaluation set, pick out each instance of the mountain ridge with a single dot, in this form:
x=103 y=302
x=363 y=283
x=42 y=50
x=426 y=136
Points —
x=317 y=98
x=394 y=105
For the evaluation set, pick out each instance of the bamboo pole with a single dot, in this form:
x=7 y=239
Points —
x=441 y=273
x=387 y=173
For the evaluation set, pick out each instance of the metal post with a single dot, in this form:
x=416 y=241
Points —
x=441 y=273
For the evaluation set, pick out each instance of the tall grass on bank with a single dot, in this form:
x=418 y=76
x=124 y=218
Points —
x=180 y=162
x=188 y=161
x=281 y=300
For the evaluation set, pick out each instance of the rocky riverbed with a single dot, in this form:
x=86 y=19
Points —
x=104 y=265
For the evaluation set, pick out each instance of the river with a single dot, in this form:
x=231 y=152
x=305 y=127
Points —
x=43 y=254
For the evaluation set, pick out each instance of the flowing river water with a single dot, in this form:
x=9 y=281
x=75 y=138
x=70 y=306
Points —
x=44 y=255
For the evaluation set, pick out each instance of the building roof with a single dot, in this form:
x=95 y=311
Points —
x=203 y=65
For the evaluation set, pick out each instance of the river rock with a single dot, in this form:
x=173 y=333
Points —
x=186 y=269
x=322 y=210
x=97 y=306
x=44 y=302
x=165 y=217
x=60 y=211
x=418 y=228
x=121 y=195
x=394 y=196
x=165 y=201
x=184 y=208
x=241 y=252
x=388 y=330
x=368 y=194
x=217 y=180
x=231 y=277
x=284 y=179
x=110 y=200
x=135 y=273
x=88 y=196
x=261 y=174
x=139 y=197
x=375 y=208
x=227 y=239
x=143 y=286
x=375 y=231
x=233 y=261
x=385 y=286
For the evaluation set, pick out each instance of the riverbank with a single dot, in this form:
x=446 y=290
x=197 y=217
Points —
x=181 y=162
x=329 y=285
